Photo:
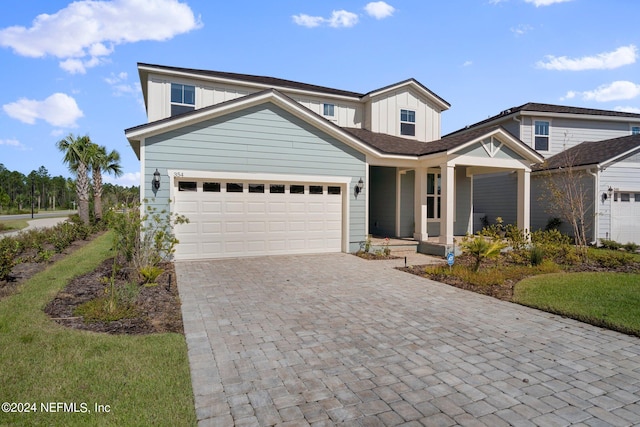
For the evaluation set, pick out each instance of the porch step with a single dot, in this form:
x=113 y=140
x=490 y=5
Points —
x=397 y=247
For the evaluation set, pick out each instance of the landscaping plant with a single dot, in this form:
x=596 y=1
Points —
x=481 y=248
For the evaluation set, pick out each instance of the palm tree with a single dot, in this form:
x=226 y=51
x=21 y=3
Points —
x=101 y=161
x=76 y=154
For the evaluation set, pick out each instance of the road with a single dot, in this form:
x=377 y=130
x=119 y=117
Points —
x=42 y=214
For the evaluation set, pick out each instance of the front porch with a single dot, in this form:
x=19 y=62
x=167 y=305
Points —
x=402 y=246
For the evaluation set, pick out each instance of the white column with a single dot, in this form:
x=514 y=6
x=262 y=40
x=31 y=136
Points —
x=420 y=205
x=447 y=214
x=524 y=199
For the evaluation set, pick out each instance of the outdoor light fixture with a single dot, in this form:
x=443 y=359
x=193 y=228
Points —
x=156 y=180
x=608 y=194
x=359 y=187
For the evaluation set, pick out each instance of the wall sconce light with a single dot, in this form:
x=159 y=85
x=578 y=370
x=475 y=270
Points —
x=607 y=195
x=156 y=180
x=359 y=187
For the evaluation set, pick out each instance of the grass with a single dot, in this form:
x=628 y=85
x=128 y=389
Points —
x=609 y=300
x=13 y=224
x=144 y=379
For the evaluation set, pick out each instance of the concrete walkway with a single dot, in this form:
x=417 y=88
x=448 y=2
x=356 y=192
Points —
x=37 y=223
x=336 y=340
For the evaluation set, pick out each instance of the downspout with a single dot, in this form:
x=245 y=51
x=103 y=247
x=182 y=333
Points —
x=596 y=189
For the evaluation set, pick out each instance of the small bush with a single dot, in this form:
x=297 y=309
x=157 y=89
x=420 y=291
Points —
x=610 y=244
x=8 y=256
x=117 y=304
x=536 y=255
x=553 y=224
x=631 y=247
x=150 y=273
x=610 y=258
x=481 y=248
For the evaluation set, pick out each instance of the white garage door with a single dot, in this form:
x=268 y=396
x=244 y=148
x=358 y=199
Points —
x=236 y=218
x=625 y=221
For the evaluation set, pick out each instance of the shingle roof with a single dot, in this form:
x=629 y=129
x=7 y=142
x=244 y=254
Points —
x=550 y=108
x=396 y=145
x=591 y=153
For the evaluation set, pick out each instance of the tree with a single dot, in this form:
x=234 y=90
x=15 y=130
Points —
x=76 y=155
x=101 y=161
x=568 y=195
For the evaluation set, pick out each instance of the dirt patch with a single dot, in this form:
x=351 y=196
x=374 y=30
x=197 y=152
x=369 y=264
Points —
x=157 y=307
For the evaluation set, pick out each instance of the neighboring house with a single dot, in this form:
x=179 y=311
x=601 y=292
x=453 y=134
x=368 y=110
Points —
x=600 y=147
x=265 y=166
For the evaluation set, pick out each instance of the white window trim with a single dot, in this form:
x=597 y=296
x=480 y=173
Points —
x=631 y=126
x=533 y=133
x=414 y=123
x=334 y=110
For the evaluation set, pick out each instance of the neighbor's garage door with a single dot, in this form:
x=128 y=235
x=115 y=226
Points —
x=625 y=224
x=235 y=219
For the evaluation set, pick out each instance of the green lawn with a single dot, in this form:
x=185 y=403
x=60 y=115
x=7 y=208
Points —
x=13 y=224
x=610 y=300
x=144 y=380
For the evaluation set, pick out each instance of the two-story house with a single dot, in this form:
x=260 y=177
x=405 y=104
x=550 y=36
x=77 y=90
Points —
x=264 y=166
x=601 y=149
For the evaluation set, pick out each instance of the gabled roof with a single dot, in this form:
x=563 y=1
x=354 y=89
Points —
x=534 y=107
x=264 y=82
x=401 y=146
x=593 y=153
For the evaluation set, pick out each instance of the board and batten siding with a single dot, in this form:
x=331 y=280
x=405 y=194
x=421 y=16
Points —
x=347 y=114
x=384 y=115
x=260 y=139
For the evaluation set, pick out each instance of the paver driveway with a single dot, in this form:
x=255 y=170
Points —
x=333 y=339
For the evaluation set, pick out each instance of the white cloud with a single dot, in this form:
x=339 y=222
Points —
x=521 y=29
x=58 y=109
x=634 y=110
x=539 y=3
x=14 y=143
x=120 y=85
x=308 y=21
x=85 y=32
x=379 y=9
x=126 y=180
x=624 y=55
x=339 y=18
x=342 y=18
x=467 y=63
x=616 y=91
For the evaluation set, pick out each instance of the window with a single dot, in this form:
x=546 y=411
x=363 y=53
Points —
x=635 y=130
x=407 y=122
x=211 y=187
x=315 y=189
x=234 y=187
x=296 y=189
x=637 y=197
x=256 y=188
x=276 y=188
x=541 y=136
x=187 y=186
x=183 y=98
x=433 y=195
x=328 y=110
x=625 y=197
x=333 y=190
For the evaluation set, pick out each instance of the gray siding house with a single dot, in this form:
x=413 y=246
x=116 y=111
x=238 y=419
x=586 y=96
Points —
x=265 y=166
x=601 y=147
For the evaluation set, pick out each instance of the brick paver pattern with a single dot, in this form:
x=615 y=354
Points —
x=336 y=340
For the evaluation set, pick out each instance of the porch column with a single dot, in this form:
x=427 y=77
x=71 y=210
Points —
x=420 y=205
x=524 y=199
x=447 y=215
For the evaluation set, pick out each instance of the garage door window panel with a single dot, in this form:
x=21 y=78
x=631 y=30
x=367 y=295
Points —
x=315 y=189
x=211 y=187
x=234 y=187
x=256 y=188
x=276 y=188
x=187 y=186
x=333 y=190
x=296 y=189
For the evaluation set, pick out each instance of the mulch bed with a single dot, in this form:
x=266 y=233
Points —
x=157 y=307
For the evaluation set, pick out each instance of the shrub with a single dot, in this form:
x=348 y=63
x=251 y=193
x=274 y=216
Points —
x=610 y=244
x=481 y=248
x=150 y=274
x=610 y=258
x=631 y=247
x=119 y=303
x=517 y=239
x=536 y=255
x=553 y=224
x=8 y=253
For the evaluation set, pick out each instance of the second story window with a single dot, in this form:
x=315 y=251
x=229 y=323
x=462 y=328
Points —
x=541 y=136
x=328 y=110
x=183 y=98
x=635 y=130
x=408 y=122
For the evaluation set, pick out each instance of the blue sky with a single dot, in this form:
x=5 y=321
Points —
x=71 y=67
